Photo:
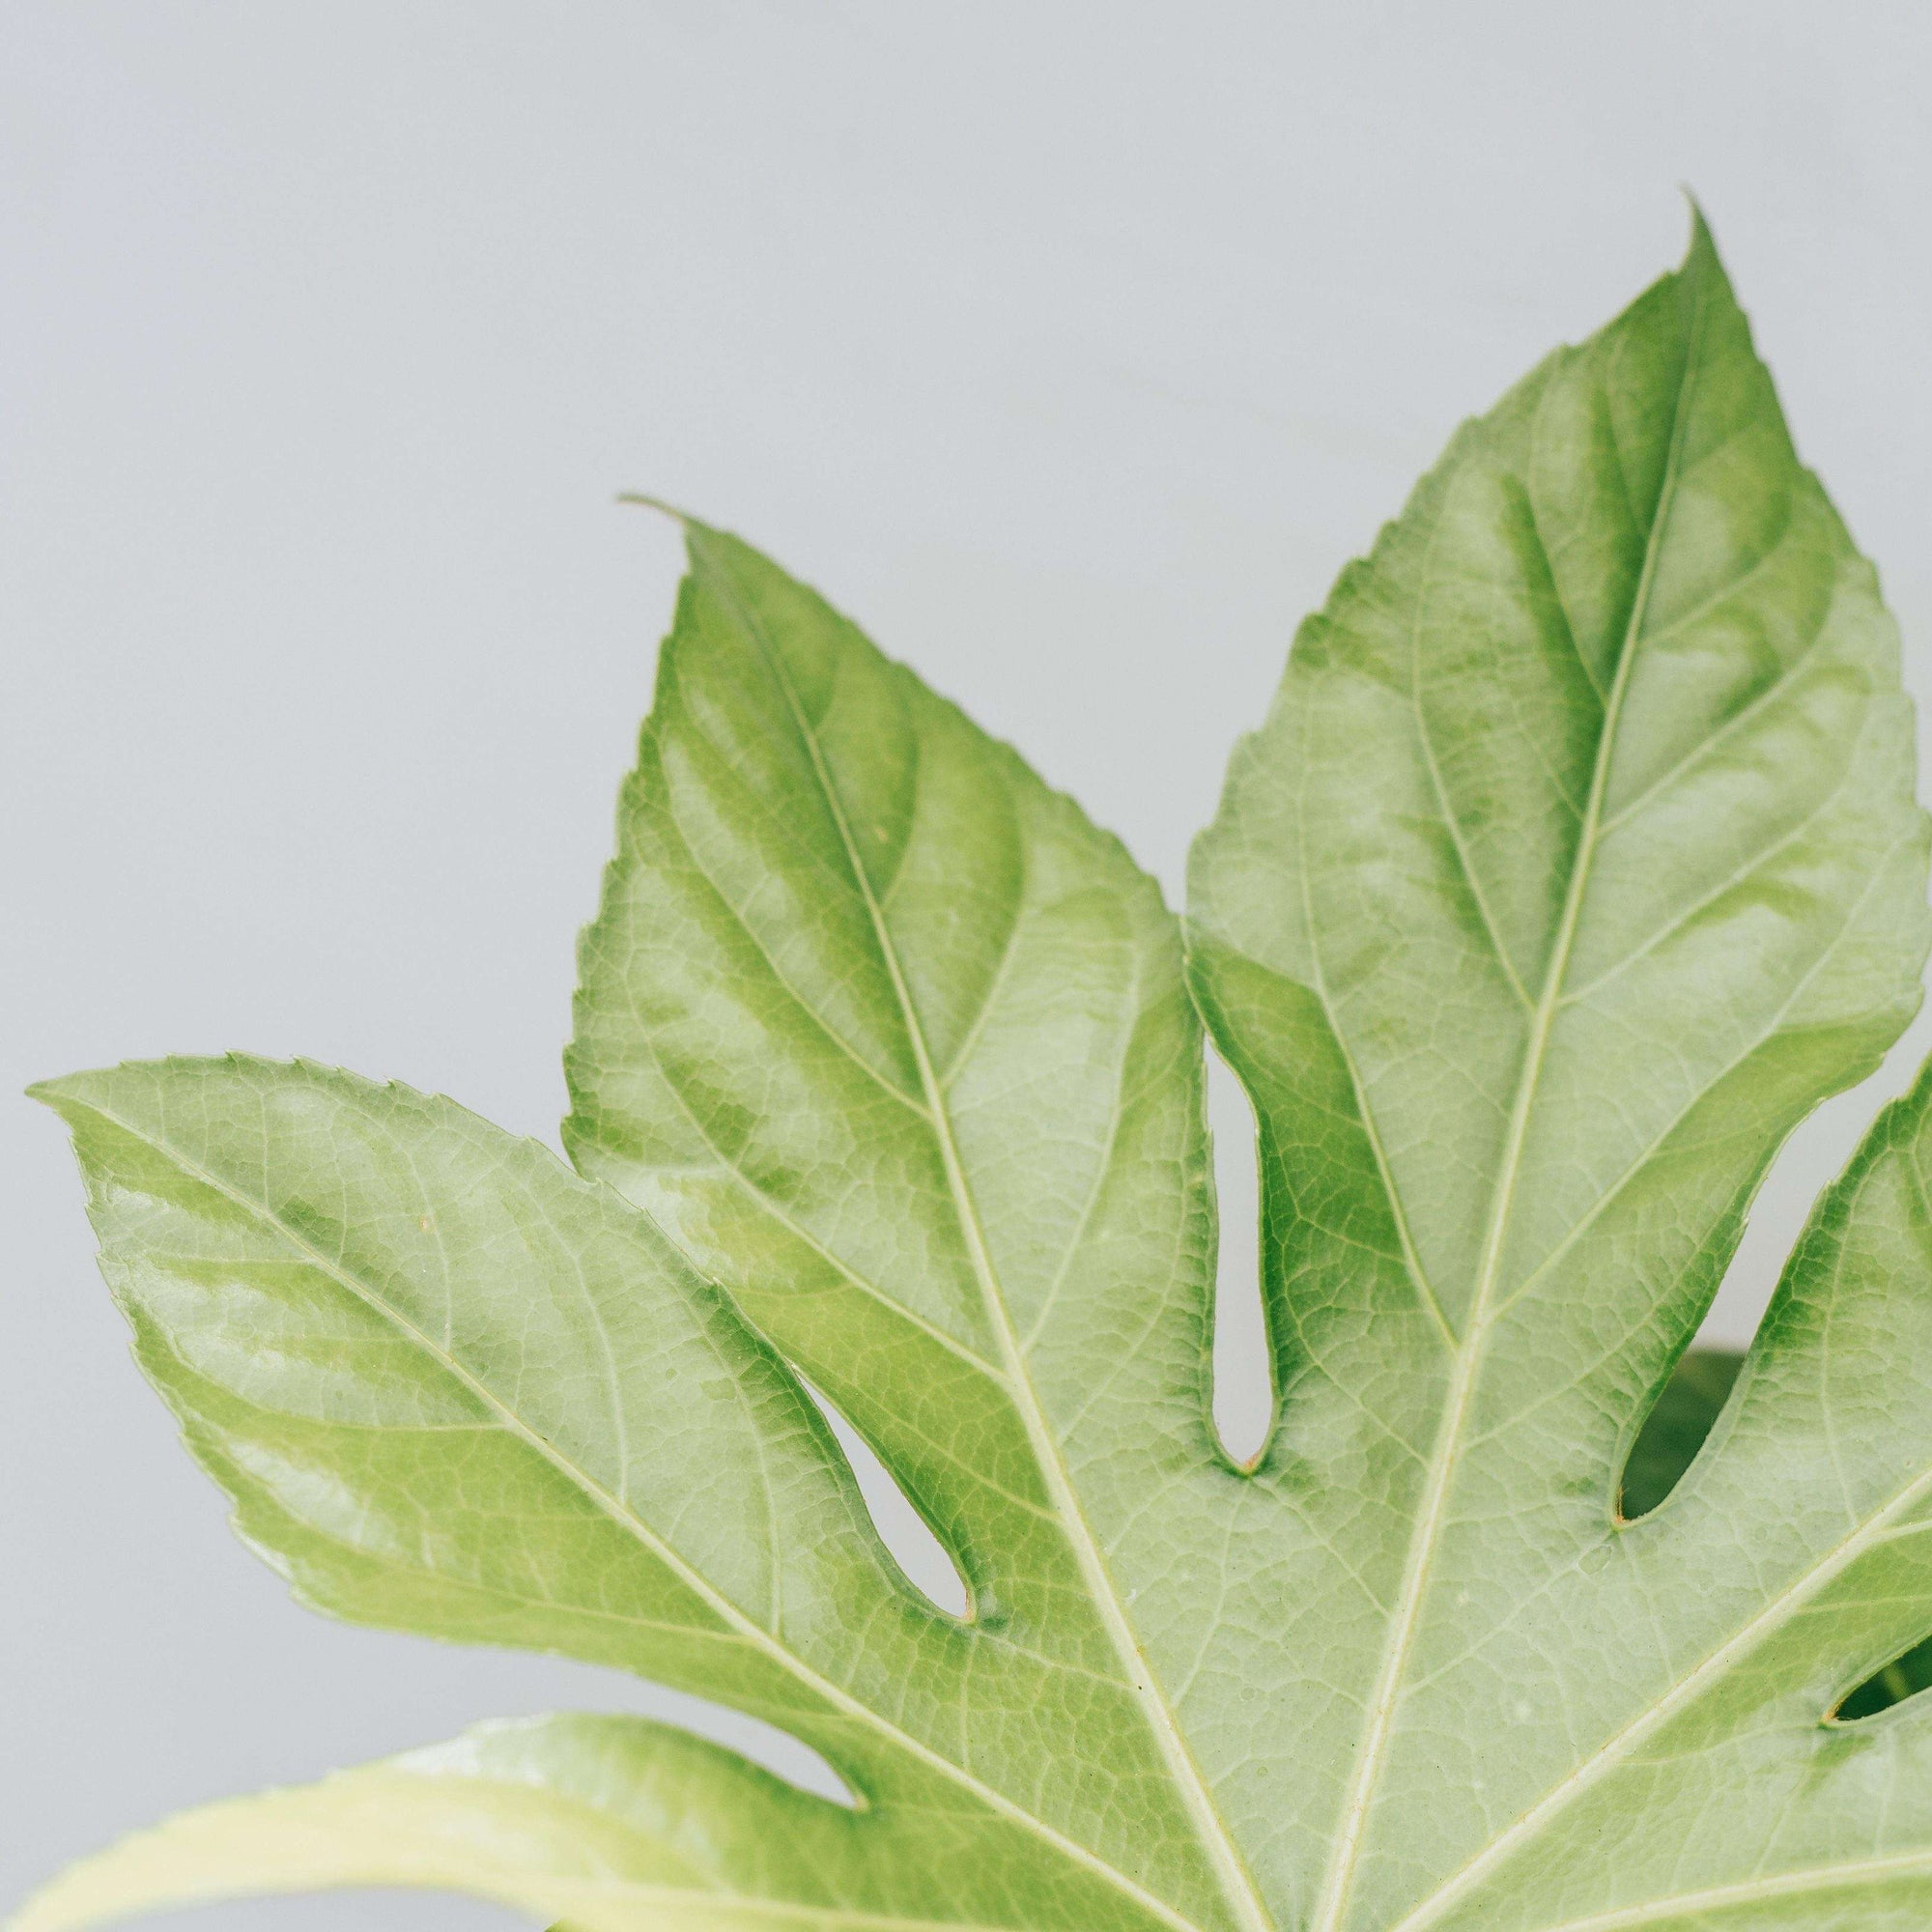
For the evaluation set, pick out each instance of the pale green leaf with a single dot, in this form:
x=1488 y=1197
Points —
x=454 y=1388
x=895 y=1045
x=1575 y=863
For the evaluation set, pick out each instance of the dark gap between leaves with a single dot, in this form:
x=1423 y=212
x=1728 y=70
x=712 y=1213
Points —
x=1675 y=1429
x=1902 y=1678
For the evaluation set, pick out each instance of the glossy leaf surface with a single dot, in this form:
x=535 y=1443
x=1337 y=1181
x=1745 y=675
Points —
x=1575 y=861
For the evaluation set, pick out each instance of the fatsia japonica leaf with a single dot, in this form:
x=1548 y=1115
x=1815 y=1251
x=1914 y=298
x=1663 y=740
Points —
x=1575 y=861
x=454 y=1388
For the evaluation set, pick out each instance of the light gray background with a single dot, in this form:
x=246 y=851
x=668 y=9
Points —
x=1070 y=349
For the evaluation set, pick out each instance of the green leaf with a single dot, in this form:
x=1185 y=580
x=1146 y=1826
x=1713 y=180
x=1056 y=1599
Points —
x=1575 y=861
x=454 y=1388
x=896 y=1046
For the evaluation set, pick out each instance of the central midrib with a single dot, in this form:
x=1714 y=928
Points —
x=1403 y=1625
x=1236 y=1885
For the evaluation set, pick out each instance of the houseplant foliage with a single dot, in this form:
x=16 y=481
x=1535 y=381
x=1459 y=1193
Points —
x=1574 y=862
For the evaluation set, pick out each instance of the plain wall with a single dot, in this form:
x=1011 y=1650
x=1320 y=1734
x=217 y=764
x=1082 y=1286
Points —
x=1070 y=349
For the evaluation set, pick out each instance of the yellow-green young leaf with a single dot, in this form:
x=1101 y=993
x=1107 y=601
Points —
x=1575 y=861
x=616 y=1823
